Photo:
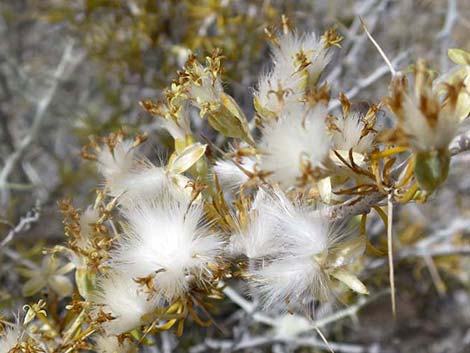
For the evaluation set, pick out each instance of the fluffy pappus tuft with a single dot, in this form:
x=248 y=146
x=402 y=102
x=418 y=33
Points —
x=298 y=62
x=9 y=339
x=423 y=135
x=111 y=344
x=166 y=241
x=262 y=236
x=295 y=142
x=349 y=134
x=287 y=245
x=231 y=176
x=429 y=113
x=289 y=283
x=304 y=51
x=207 y=88
x=143 y=182
x=279 y=87
x=114 y=164
x=131 y=177
x=120 y=296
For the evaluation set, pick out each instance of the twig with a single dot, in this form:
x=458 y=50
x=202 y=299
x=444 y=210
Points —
x=452 y=15
x=444 y=35
x=248 y=307
x=435 y=276
x=460 y=144
x=256 y=341
x=13 y=255
x=367 y=81
x=24 y=224
x=373 y=17
x=351 y=310
x=354 y=207
x=361 y=205
x=355 y=39
x=379 y=49
x=390 y=252
x=325 y=341
x=39 y=115
x=430 y=245
x=6 y=131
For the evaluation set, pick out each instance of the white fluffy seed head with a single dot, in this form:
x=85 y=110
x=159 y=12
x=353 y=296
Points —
x=279 y=78
x=144 y=182
x=117 y=163
x=350 y=135
x=9 y=338
x=89 y=217
x=293 y=44
x=132 y=177
x=289 y=283
x=208 y=90
x=291 y=325
x=423 y=136
x=288 y=73
x=111 y=344
x=230 y=176
x=261 y=237
x=297 y=137
x=286 y=244
x=165 y=239
x=178 y=127
x=121 y=297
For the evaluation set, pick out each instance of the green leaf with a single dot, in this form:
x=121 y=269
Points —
x=230 y=120
x=187 y=158
x=459 y=56
x=346 y=252
x=350 y=280
x=85 y=282
x=61 y=285
x=33 y=286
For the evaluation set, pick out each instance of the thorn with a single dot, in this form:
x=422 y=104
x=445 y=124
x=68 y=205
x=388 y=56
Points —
x=379 y=49
x=390 y=252
x=322 y=336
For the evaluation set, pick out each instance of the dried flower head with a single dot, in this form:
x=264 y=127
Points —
x=428 y=116
x=10 y=338
x=167 y=243
x=111 y=344
x=293 y=251
x=296 y=144
x=119 y=296
x=298 y=60
x=351 y=132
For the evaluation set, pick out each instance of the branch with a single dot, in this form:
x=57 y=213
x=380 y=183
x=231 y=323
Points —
x=250 y=308
x=452 y=15
x=460 y=144
x=354 y=207
x=256 y=341
x=17 y=258
x=349 y=311
x=444 y=35
x=363 y=204
x=39 y=115
x=436 y=244
x=367 y=81
x=23 y=225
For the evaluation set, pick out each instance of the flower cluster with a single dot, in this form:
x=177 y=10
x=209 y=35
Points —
x=269 y=201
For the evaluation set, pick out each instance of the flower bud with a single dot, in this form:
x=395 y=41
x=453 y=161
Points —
x=230 y=120
x=431 y=168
